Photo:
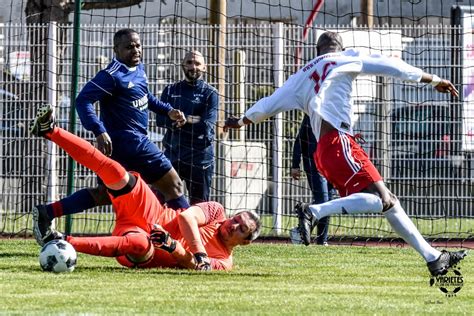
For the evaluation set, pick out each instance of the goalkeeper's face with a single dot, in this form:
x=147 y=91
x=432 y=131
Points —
x=237 y=230
x=129 y=50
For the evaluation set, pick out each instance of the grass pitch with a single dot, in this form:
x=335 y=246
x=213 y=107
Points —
x=268 y=279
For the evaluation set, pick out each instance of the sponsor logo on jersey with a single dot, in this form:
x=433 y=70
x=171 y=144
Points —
x=141 y=104
x=175 y=95
x=130 y=85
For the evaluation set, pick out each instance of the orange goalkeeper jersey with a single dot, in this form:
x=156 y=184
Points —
x=139 y=210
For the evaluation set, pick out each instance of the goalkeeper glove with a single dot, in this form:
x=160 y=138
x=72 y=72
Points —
x=203 y=263
x=161 y=239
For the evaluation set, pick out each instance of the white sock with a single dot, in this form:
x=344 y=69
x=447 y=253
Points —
x=353 y=204
x=405 y=228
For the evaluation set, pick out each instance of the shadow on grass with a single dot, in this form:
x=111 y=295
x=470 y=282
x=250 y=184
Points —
x=11 y=254
x=170 y=271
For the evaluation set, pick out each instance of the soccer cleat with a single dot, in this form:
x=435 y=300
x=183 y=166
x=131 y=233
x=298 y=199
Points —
x=41 y=225
x=446 y=260
x=305 y=222
x=44 y=121
x=54 y=235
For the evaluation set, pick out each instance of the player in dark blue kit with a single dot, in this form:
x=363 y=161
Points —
x=304 y=147
x=191 y=147
x=121 y=132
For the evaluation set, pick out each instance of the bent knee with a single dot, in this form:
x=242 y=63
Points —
x=388 y=201
x=141 y=249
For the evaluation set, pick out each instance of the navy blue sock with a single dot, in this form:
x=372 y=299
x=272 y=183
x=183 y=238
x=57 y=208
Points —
x=178 y=203
x=75 y=203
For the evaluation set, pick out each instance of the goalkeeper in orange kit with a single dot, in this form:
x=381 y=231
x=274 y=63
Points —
x=147 y=234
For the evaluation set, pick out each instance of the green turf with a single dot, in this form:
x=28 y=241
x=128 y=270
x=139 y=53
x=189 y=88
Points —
x=340 y=226
x=268 y=279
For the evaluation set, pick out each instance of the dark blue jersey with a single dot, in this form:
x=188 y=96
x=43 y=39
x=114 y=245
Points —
x=191 y=143
x=124 y=102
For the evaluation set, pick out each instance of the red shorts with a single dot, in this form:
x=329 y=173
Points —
x=343 y=162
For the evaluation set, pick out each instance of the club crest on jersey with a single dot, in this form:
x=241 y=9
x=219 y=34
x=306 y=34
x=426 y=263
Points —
x=130 y=85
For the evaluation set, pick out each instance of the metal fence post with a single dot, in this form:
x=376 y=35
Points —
x=52 y=194
x=72 y=112
x=277 y=151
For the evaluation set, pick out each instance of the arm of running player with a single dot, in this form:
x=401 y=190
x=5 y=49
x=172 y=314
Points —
x=283 y=99
x=441 y=85
x=397 y=68
x=101 y=86
x=162 y=108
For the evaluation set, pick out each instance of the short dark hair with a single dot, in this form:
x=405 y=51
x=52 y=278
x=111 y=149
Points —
x=118 y=35
x=258 y=224
x=330 y=40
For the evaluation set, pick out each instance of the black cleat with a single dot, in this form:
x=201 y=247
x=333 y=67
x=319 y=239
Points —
x=305 y=222
x=446 y=260
x=44 y=121
x=42 y=226
x=54 y=235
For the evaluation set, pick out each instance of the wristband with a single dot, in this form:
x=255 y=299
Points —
x=241 y=121
x=435 y=81
x=171 y=247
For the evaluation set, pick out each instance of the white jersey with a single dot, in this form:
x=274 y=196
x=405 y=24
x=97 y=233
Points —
x=323 y=88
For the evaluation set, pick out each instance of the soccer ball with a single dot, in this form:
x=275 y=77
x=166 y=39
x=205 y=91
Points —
x=58 y=256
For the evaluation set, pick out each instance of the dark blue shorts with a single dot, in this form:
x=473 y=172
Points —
x=141 y=155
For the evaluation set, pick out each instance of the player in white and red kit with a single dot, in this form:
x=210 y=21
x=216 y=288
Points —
x=323 y=90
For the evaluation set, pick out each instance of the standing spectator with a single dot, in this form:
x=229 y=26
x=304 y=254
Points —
x=191 y=147
x=323 y=90
x=303 y=148
x=124 y=98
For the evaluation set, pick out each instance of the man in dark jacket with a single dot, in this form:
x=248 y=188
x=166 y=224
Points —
x=191 y=147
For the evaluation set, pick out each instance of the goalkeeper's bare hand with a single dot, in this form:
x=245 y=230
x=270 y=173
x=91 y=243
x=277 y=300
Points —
x=161 y=239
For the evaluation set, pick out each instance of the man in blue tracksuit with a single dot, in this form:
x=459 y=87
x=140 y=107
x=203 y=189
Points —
x=191 y=147
x=304 y=147
x=121 y=132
